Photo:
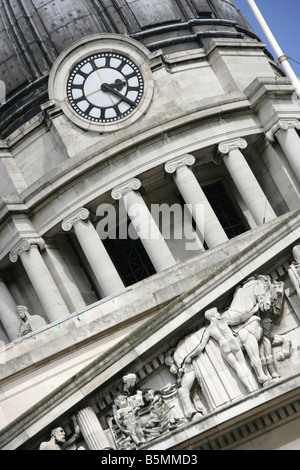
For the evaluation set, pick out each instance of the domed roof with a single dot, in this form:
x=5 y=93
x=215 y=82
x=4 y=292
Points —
x=34 y=32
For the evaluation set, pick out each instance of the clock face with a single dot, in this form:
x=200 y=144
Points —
x=105 y=87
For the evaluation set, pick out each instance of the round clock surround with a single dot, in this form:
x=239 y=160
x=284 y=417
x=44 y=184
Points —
x=103 y=83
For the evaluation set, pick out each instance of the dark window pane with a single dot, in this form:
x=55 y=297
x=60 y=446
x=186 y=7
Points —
x=224 y=209
x=130 y=258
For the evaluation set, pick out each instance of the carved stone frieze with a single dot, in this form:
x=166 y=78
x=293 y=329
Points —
x=238 y=340
x=141 y=415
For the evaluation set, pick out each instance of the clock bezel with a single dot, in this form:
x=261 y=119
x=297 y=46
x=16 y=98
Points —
x=84 y=49
x=109 y=57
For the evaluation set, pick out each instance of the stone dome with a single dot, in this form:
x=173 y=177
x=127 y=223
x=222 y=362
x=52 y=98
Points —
x=34 y=32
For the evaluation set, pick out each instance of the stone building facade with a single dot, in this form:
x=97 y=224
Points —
x=149 y=229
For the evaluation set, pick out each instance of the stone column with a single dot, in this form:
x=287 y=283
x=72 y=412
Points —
x=245 y=181
x=95 y=252
x=285 y=132
x=91 y=430
x=42 y=282
x=8 y=312
x=207 y=222
x=144 y=224
x=63 y=277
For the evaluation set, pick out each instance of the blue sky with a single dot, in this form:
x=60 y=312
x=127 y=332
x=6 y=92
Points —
x=283 y=18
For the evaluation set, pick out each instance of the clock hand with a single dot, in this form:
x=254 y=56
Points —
x=109 y=88
x=118 y=83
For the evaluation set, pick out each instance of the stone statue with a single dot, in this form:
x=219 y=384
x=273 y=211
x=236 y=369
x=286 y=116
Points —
x=229 y=347
x=29 y=323
x=126 y=418
x=142 y=414
x=58 y=439
x=294 y=270
x=245 y=325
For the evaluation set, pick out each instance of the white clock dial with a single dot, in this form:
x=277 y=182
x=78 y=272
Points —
x=105 y=87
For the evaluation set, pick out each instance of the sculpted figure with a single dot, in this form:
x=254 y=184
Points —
x=294 y=270
x=127 y=419
x=29 y=323
x=58 y=439
x=229 y=347
x=245 y=325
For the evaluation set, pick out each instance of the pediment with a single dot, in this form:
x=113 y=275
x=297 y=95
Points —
x=266 y=251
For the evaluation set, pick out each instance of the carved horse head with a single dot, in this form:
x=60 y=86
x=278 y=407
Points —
x=263 y=292
x=277 y=296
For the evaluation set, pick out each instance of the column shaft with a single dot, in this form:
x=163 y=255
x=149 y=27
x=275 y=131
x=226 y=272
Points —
x=290 y=144
x=91 y=430
x=8 y=313
x=98 y=258
x=43 y=284
x=208 y=224
x=147 y=230
x=246 y=182
x=63 y=278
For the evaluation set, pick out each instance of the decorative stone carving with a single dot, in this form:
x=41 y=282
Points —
x=283 y=124
x=245 y=326
x=122 y=189
x=188 y=160
x=226 y=147
x=81 y=214
x=24 y=245
x=142 y=415
x=58 y=439
x=229 y=347
x=29 y=323
x=294 y=270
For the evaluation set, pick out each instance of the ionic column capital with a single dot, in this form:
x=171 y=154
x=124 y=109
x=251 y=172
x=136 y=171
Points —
x=72 y=219
x=24 y=245
x=119 y=191
x=236 y=144
x=282 y=125
x=183 y=160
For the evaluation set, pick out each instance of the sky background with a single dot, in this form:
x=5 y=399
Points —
x=283 y=18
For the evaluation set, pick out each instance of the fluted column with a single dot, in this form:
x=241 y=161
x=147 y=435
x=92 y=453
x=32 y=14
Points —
x=42 y=281
x=91 y=430
x=144 y=224
x=63 y=277
x=8 y=312
x=285 y=132
x=95 y=252
x=207 y=222
x=245 y=181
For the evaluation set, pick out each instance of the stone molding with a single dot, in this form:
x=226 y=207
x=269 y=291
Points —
x=237 y=144
x=185 y=160
x=77 y=216
x=131 y=185
x=282 y=125
x=23 y=246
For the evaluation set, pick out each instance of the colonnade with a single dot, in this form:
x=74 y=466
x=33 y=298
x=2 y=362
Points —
x=50 y=279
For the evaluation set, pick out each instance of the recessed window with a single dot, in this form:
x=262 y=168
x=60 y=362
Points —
x=130 y=259
x=224 y=209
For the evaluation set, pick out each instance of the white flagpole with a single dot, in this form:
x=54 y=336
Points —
x=280 y=56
